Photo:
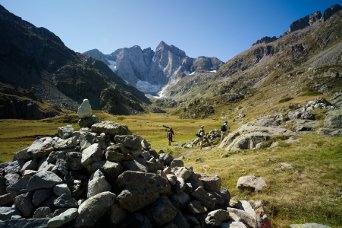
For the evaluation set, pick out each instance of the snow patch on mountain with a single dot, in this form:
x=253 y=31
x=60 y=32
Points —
x=147 y=87
x=112 y=65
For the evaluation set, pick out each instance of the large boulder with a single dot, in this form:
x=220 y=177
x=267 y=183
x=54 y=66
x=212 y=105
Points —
x=332 y=123
x=65 y=132
x=92 y=154
x=63 y=218
x=43 y=179
x=92 y=209
x=38 y=149
x=110 y=128
x=162 y=211
x=97 y=184
x=217 y=217
x=251 y=183
x=250 y=135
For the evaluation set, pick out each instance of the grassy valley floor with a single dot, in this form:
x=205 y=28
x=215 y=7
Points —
x=311 y=191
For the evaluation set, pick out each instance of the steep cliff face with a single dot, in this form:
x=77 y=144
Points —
x=35 y=59
x=150 y=70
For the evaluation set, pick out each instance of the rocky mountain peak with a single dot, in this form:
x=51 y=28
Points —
x=314 y=18
x=150 y=70
x=173 y=49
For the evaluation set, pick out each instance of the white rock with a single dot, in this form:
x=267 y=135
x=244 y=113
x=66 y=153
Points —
x=85 y=109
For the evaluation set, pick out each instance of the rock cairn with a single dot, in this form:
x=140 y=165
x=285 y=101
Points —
x=104 y=175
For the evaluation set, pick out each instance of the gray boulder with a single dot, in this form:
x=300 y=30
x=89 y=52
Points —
x=20 y=186
x=131 y=142
x=62 y=144
x=63 y=218
x=114 y=153
x=97 y=184
x=29 y=165
x=87 y=139
x=111 y=169
x=143 y=182
x=217 y=217
x=24 y=205
x=184 y=173
x=40 y=196
x=39 y=148
x=92 y=154
x=332 y=123
x=43 y=179
x=110 y=128
x=65 y=200
x=65 y=132
x=42 y=212
x=162 y=211
x=7 y=198
x=92 y=209
x=61 y=189
x=27 y=223
x=180 y=200
x=7 y=212
x=211 y=183
x=134 y=201
x=251 y=183
x=204 y=197
x=242 y=216
x=84 y=110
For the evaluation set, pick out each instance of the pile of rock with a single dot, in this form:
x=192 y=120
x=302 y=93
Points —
x=104 y=175
x=213 y=136
x=303 y=118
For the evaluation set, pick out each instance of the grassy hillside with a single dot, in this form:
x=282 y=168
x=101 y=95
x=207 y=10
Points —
x=309 y=192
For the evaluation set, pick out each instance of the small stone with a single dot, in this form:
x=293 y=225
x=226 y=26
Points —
x=97 y=184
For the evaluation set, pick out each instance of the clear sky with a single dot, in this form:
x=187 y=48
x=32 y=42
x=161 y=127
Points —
x=220 y=28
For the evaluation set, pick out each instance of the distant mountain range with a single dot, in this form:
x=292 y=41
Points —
x=36 y=68
x=149 y=70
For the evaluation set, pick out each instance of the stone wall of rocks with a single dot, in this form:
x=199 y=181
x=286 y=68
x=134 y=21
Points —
x=104 y=175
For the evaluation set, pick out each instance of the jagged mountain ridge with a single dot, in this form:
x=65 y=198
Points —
x=301 y=61
x=150 y=70
x=36 y=59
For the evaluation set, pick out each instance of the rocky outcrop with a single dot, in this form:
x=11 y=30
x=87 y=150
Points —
x=314 y=18
x=113 y=179
x=150 y=70
x=265 y=40
x=254 y=133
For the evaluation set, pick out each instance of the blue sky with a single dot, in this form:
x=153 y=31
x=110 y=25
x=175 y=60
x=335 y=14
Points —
x=220 y=28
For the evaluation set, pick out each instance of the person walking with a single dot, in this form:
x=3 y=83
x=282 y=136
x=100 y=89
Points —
x=170 y=134
x=201 y=134
x=224 y=130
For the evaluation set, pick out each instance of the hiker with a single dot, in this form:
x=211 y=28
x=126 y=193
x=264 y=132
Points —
x=224 y=130
x=201 y=136
x=170 y=133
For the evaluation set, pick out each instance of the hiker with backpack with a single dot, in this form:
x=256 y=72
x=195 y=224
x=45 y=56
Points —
x=170 y=134
x=224 y=130
x=201 y=136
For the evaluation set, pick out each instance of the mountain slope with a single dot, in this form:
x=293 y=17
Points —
x=150 y=70
x=36 y=59
x=307 y=60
